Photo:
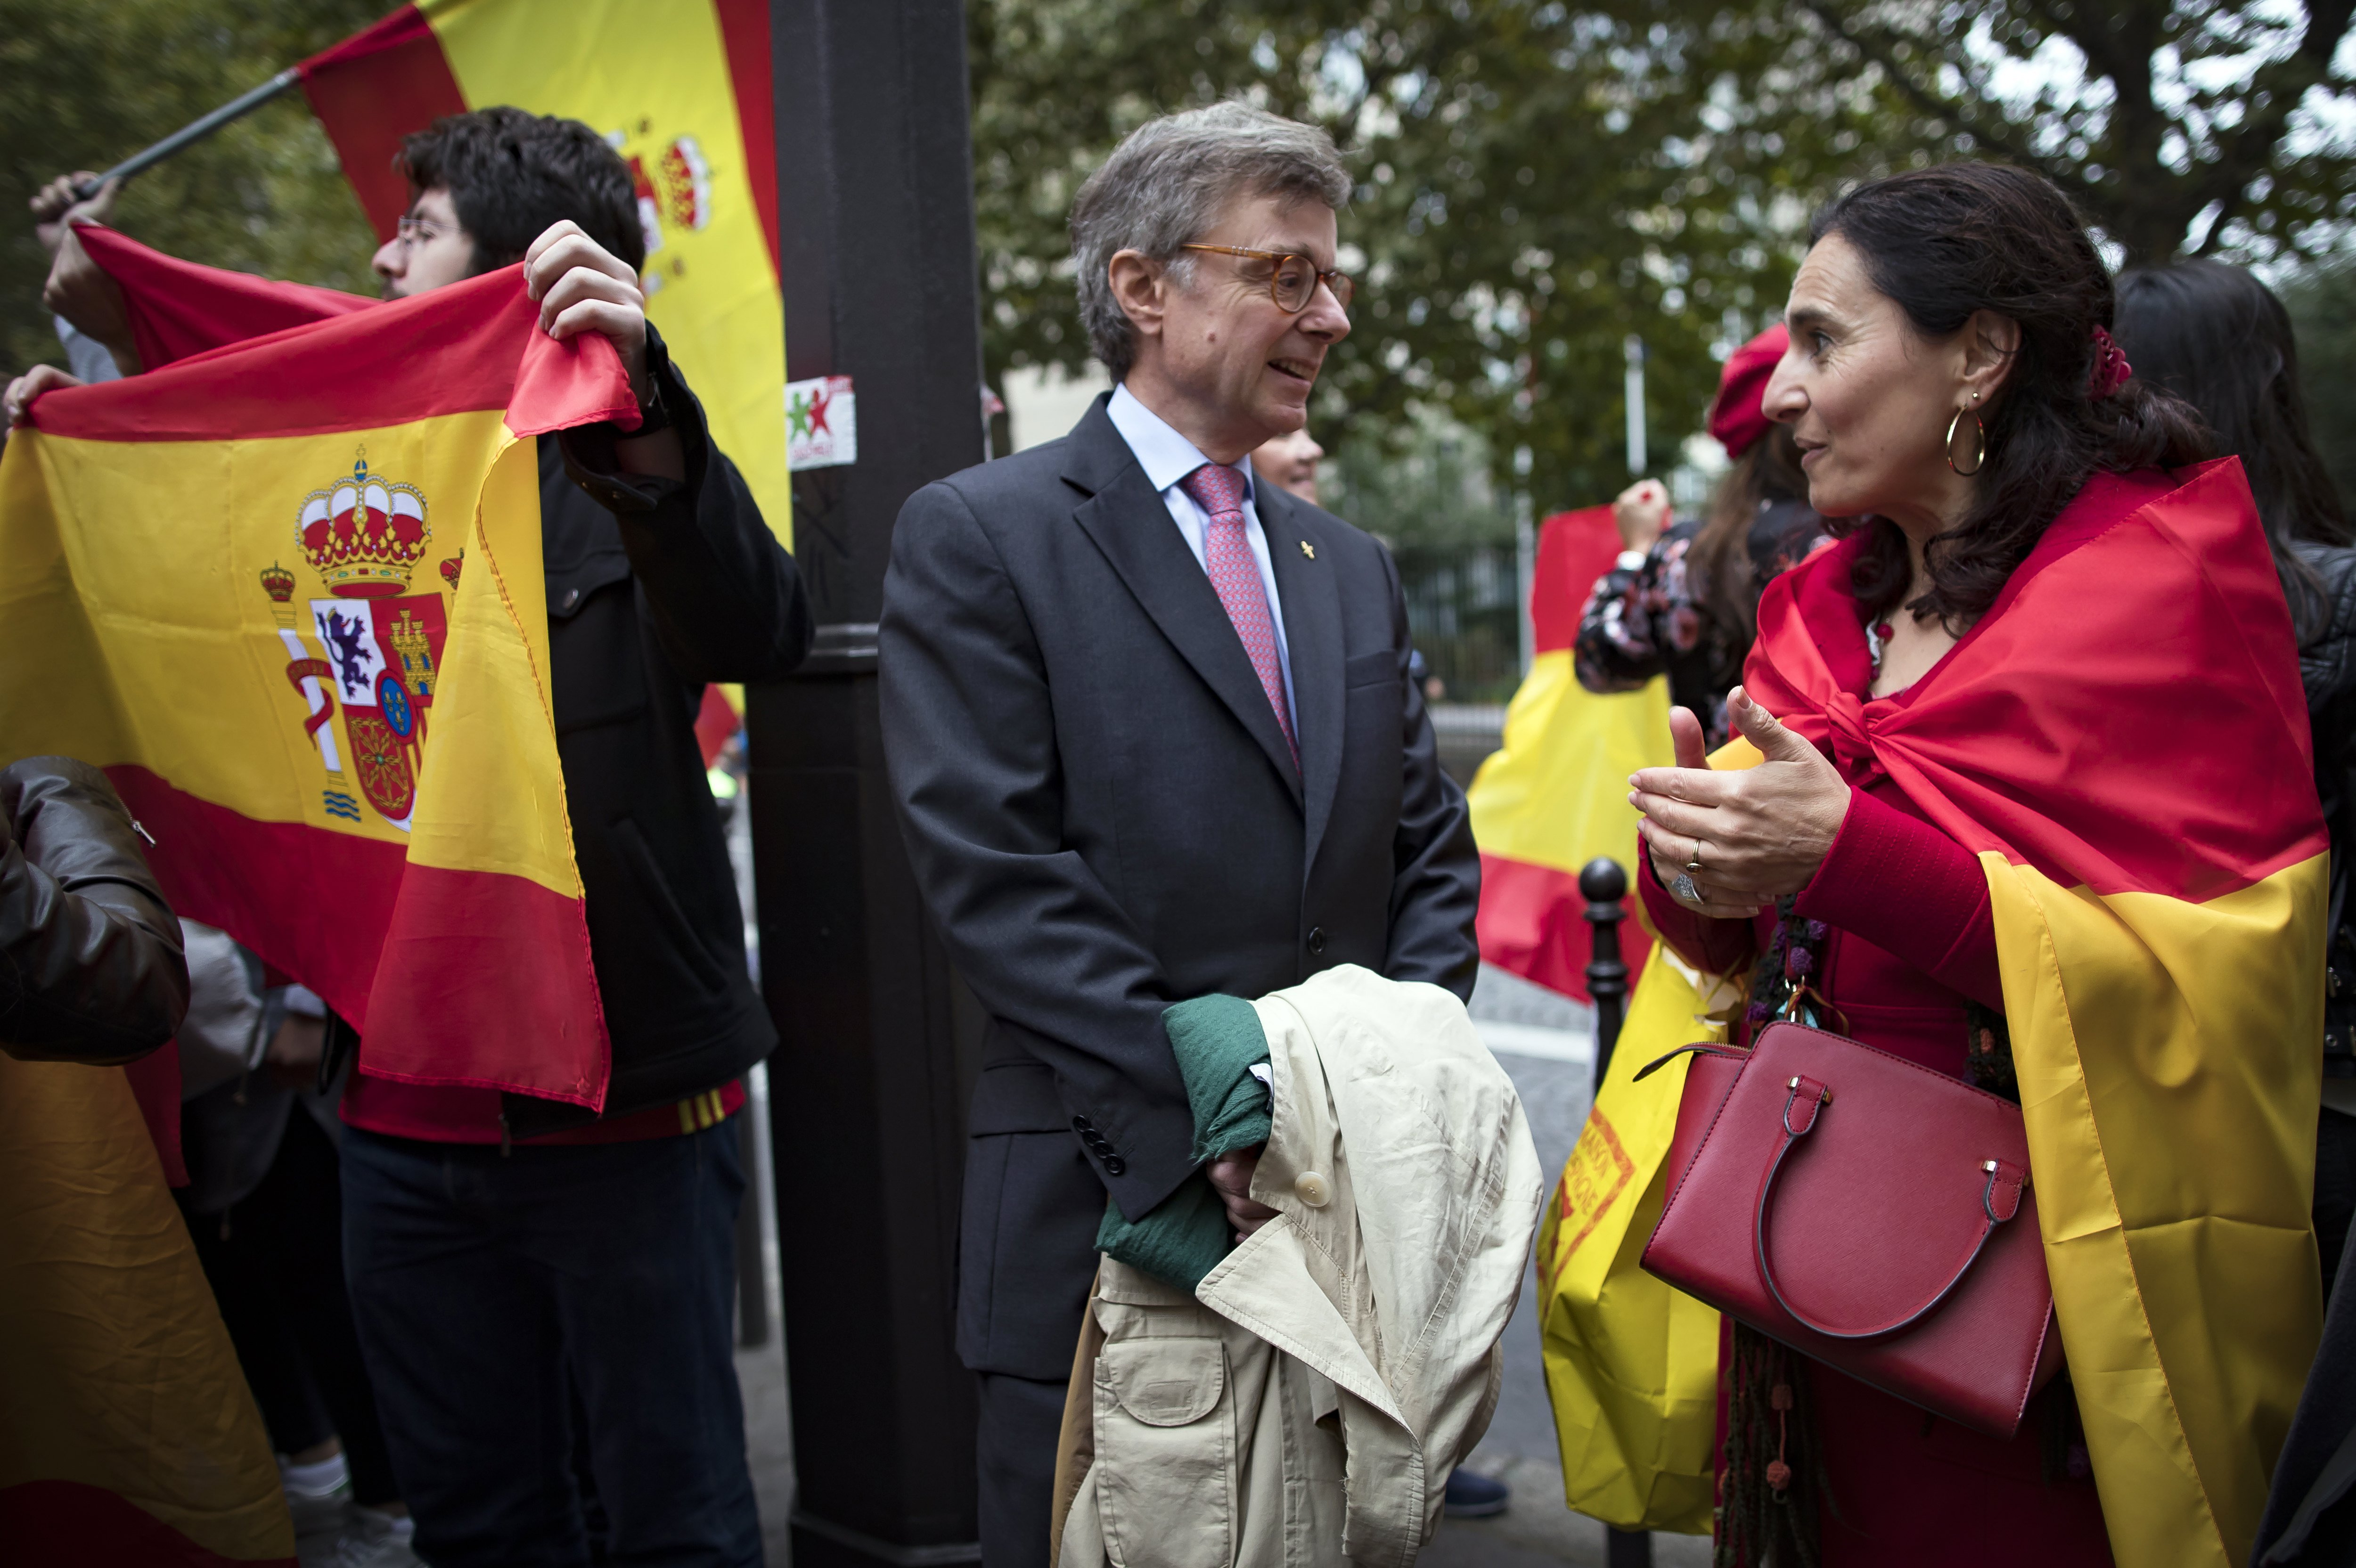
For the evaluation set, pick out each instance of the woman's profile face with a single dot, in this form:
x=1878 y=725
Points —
x=1868 y=397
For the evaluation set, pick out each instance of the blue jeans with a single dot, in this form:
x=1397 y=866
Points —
x=496 y=1295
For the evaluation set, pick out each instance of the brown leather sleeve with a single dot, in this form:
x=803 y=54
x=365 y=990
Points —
x=91 y=965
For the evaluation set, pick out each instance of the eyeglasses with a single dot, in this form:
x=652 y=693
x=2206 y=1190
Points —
x=1293 y=279
x=418 y=230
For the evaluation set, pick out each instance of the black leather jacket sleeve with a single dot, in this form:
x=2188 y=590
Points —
x=91 y=965
x=724 y=598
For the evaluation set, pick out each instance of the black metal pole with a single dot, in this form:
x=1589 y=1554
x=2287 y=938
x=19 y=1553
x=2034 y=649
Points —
x=195 y=131
x=878 y=1043
x=1603 y=884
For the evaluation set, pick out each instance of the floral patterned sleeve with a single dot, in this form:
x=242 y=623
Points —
x=1634 y=616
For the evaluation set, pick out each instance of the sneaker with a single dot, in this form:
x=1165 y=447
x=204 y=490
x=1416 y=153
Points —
x=373 y=1540
x=1474 y=1497
x=318 y=1494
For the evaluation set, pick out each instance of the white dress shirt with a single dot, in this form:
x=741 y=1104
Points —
x=1167 y=457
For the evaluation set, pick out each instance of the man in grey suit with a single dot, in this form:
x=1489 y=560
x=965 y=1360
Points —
x=1152 y=736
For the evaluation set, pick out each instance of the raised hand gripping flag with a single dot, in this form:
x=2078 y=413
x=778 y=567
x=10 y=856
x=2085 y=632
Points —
x=682 y=93
x=289 y=594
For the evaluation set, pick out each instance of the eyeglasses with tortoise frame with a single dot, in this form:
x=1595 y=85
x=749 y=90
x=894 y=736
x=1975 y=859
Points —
x=1292 y=279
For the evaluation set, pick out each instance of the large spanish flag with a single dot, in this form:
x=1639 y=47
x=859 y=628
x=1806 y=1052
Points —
x=681 y=90
x=2123 y=741
x=289 y=594
x=1555 y=796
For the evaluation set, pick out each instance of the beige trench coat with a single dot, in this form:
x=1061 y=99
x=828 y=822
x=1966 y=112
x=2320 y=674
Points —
x=1305 y=1407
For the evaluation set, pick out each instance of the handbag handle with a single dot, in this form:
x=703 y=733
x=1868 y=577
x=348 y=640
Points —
x=2005 y=1184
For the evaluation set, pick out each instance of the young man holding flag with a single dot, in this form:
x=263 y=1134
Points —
x=514 y=1260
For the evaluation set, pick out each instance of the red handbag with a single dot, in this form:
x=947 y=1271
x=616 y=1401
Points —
x=1868 y=1212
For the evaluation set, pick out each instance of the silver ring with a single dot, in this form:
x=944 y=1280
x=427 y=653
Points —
x=1682 y=888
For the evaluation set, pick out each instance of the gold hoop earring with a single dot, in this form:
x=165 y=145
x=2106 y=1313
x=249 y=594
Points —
x=1979 y=442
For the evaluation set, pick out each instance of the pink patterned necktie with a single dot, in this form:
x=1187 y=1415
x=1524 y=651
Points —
x=1219 y=491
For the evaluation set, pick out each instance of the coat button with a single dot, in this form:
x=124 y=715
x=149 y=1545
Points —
x=1312 y=1189
x=572 y=597
x=1080 y=1124
x=1316 y=941
x=1115 y=1166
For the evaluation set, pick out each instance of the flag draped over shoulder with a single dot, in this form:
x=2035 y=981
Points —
x=1555 y=796
x=682 y=93
x=2123 y=741
x=289 y=594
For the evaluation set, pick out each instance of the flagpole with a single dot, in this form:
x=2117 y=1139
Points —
x=195 y=131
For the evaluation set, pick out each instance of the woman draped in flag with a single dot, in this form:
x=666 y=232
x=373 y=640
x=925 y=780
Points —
x=2029 y=802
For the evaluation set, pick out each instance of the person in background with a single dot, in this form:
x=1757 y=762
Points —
x=263 y=1206
x=1289 y=461
x=526 y=1276
x=1682 y=598
x=2217 y=337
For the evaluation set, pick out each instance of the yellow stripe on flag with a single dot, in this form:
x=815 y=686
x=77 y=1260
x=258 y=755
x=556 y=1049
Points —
x=2169 y=1055
x=1556 y=792
x=115 y=1371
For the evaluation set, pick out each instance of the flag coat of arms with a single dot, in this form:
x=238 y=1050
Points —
x=289 y=594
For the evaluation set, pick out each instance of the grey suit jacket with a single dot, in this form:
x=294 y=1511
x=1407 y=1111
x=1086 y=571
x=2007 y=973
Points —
x=1104 y=819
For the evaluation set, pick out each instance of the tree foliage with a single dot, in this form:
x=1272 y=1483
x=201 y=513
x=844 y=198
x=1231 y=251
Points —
x=86 y=85
x=1538 y=181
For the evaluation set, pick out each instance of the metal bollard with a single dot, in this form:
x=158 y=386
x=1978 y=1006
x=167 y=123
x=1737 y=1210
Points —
x=1603 y=884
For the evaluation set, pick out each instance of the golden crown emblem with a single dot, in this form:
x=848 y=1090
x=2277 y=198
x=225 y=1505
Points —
x=278 y=583
x=363 y=535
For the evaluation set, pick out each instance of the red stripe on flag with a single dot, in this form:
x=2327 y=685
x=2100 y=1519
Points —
x=73 y=1524
x=472 y=346
x=351 y=919
x=370 y=91
x=715 y=721
x=506 y=961
x=1574 y=549
x=292 y=893
x=178 y=309
x=1531 y=924
x=744 y=37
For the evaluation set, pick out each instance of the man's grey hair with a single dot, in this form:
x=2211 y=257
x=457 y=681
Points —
x=1169 y=182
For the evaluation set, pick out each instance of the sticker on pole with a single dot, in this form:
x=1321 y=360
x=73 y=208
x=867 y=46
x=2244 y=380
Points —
x=821 y=423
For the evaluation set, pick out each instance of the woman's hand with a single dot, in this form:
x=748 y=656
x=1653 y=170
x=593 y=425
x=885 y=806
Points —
x=1641 y=513
x=1759 y=833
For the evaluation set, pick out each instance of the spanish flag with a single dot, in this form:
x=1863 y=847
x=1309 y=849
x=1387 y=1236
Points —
x=289 y=594
x=2123 y=741
x=1555 y=796
x=681 y=91
x=128 y=1437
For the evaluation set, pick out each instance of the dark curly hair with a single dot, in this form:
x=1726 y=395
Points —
x=510 y=175
x=1947 y=241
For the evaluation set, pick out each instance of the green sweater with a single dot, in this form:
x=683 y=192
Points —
x=1217 y=1041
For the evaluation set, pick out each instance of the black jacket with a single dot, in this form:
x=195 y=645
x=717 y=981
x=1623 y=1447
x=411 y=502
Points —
x=90 y=966
x=1104 y=819
x=655 y=589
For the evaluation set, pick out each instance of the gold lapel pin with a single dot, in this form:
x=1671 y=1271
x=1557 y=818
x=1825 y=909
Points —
x=1306 y=551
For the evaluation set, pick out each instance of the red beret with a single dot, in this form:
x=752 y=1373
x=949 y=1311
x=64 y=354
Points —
x=1736 y=417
